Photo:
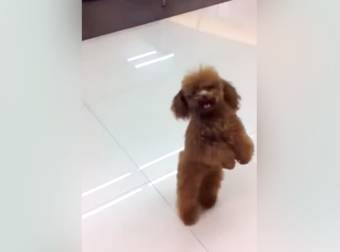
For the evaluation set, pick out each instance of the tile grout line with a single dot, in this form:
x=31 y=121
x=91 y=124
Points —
x=120 y=146
x=191 y=231
x=169 y=205
x=137 y=166
x=198 y=240
x=110 y=134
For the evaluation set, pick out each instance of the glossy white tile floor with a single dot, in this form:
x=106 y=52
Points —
x=133 y=139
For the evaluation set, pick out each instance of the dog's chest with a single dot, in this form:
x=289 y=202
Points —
x=213 y=132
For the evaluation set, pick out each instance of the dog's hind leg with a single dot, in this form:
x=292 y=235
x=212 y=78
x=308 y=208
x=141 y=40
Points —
x=209 y=188
x=188 y=185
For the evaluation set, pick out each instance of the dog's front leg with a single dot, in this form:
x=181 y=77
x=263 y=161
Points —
x=238 y=140
x=242 y=146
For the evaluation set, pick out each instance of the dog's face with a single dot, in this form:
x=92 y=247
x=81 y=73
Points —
x=203 y=96
x=203 y=93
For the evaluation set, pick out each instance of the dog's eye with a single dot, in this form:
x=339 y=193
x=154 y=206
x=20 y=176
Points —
x=189 y=95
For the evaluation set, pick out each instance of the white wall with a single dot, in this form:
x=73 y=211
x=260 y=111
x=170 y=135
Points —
x=39 y=129
x=298 y=88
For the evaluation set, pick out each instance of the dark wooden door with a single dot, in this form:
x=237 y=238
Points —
x=106 y=16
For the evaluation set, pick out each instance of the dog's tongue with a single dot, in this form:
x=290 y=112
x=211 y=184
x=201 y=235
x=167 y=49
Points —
x=207 y=105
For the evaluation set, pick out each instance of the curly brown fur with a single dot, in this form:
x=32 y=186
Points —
x=215 y=139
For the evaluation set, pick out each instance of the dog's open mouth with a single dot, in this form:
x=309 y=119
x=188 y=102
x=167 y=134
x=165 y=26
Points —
x=207 y=105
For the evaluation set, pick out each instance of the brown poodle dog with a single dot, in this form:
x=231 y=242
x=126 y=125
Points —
x=215 y=138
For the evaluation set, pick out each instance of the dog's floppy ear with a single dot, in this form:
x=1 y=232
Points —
x=179 y=106
x=230 y=95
